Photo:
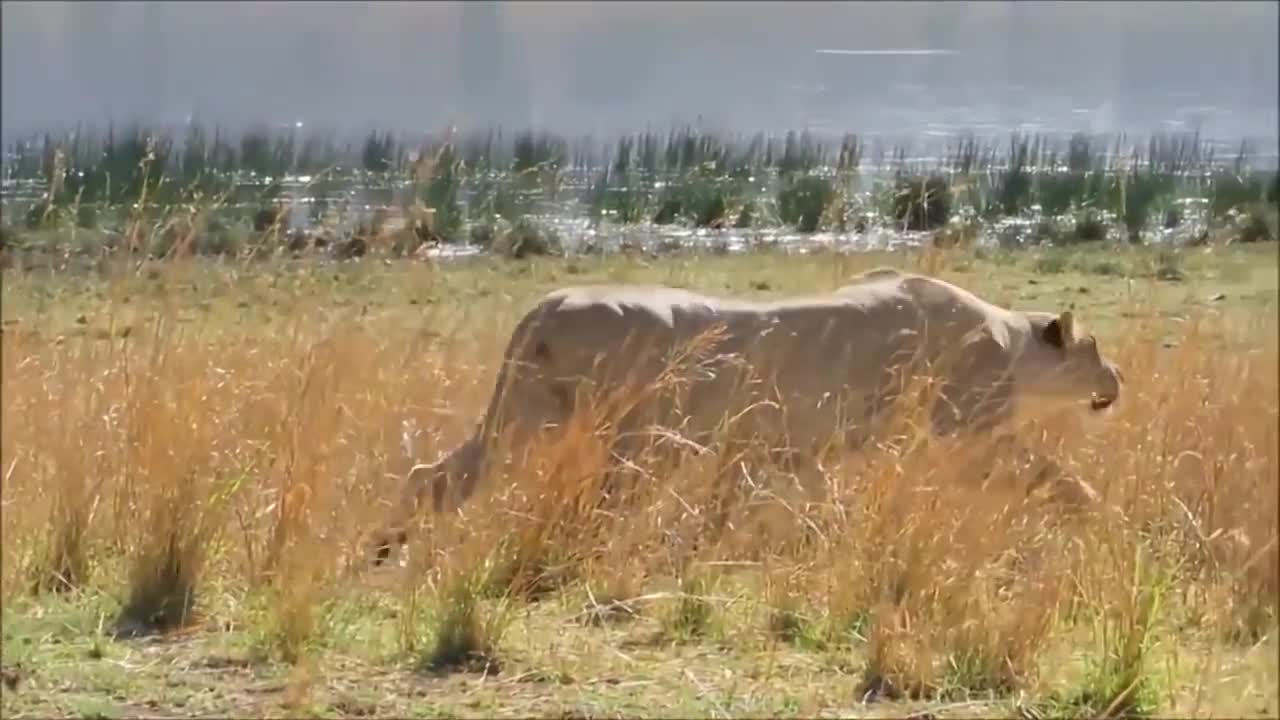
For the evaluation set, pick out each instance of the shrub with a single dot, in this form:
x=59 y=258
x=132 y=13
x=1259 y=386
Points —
x=668 y=211
x=87 y=216
x=1090 y=227
x=703 y=201
x=465 y=630
x=486 y=233
x=922 y=204
x=1058 y=192
x=1258 y=225
x=271 y=217
x=42 y=215
x=1229 y=191
x=1141 y=194
x=526 y=237
x=803 y=201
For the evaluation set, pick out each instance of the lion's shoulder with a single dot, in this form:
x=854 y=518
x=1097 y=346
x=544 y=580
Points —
x=945 y=296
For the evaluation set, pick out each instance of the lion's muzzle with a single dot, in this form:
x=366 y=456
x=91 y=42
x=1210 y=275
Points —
x=1112 y=379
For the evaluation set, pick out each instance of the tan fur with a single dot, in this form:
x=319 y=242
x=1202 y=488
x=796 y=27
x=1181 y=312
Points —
x=791 y=372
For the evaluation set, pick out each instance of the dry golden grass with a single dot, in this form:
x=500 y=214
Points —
x=222 y=461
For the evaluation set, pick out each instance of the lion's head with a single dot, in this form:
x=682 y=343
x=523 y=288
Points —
x=1061 y=363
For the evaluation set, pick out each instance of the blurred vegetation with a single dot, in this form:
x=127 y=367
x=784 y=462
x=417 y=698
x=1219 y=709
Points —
x=272 y=181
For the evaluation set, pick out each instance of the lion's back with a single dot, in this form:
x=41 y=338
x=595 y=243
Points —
x=948 y=310
x=609 y=331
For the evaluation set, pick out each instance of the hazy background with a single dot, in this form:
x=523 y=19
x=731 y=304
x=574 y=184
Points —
x=578 y=66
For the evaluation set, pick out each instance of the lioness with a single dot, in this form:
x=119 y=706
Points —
x=791 y=372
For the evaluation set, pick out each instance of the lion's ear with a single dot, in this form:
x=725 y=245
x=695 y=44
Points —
x=1061 y=330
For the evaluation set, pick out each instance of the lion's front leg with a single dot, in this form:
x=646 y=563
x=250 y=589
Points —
x=451 y=478
x=1039 y=472
x=394 y=533
x=1063 y=489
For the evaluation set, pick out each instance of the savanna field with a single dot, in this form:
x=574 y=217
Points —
x=193 y=453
